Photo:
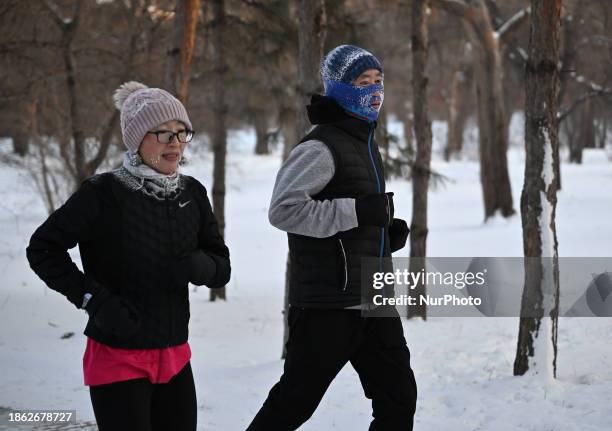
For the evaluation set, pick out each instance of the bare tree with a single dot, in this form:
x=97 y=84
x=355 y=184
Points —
x=180 y=53
x=421 y=166
x=537 y=341
x=457 y=112
x=492 y=118
x=219 y=133
x=68 y=145
x=311 y=37
x=68 y=28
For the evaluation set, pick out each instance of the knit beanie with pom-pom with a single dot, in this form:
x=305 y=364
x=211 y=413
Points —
x=143 y=108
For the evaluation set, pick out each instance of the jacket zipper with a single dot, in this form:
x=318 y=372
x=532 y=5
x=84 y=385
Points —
x=382 y=229
x=388 y=211
x=170 y=338
x=345 y=264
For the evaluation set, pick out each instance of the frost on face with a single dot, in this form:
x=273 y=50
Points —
x=366 y=100
x=144 y=179
x=158 y=188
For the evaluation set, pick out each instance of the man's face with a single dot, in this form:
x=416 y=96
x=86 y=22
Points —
x=370 y=77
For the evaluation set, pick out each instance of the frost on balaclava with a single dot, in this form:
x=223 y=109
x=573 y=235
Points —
x=339 y=68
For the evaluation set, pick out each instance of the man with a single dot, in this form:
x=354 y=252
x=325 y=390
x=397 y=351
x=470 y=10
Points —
x=330 y=198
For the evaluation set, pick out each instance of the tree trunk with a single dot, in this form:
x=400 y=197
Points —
x=603 y=135
x=587 y=126
x=106 y=137
x=75 y=161
x=492 y=119
x=20 y=142
x=409 y=134
x=180 y=52
x=260 y=121
x=42 y=178
x=537 y=341
x=219 y=138
x=457 y=107
x=311 y=36
x=288 y=129
x=586 y=133
x=421 y=167
x=568 y=63
x=457 y=114
x=68 y=28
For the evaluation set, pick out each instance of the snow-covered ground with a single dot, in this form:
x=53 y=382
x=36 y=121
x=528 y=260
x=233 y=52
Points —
x=463 y=366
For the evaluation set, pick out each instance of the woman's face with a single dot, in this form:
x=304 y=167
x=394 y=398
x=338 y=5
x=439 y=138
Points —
x=163 y=158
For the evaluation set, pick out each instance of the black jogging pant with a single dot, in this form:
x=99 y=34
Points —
x=320 y=343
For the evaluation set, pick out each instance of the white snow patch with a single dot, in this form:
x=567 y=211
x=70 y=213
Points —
x=463 y=366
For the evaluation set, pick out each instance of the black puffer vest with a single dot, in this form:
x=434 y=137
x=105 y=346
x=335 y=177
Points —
x=326 y=272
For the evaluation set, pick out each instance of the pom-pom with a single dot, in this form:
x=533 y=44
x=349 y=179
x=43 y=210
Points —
x=124 y=90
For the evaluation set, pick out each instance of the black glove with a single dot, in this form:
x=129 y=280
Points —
x=398 y=234
x=197 y=267
x=112 y=314
x=374 y=210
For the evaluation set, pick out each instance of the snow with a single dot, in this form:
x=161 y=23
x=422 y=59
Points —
x=541 y=363
x=463 y=366
x=545 y=218
x=512 y=21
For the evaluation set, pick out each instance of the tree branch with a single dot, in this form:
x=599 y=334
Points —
x=586 y=96
x=54 y=10
x=455 y=7
x=513 y=23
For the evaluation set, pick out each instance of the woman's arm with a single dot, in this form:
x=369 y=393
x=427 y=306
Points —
x=213 y=266
x=47 y=252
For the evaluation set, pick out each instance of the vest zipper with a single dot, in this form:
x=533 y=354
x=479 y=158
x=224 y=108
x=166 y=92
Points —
x=382 y=229
x=345 y=264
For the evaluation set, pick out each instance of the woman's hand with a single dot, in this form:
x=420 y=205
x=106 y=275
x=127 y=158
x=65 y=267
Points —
x=197 y=268
x=112 y=314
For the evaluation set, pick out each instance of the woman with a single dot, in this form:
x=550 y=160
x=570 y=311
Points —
x=144 y=232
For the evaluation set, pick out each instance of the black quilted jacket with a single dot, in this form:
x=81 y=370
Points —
x=129 y=241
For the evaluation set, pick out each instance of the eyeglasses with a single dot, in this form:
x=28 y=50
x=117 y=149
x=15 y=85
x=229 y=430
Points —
x=166 y=136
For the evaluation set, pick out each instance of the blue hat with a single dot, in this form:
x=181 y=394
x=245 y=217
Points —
x=346 y=62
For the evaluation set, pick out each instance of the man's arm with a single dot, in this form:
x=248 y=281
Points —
x=308 y=169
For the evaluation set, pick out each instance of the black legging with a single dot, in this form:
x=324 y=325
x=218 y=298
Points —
x=139 y=405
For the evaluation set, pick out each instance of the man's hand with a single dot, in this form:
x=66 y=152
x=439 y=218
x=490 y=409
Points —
x=398 y=234
x=375 y=209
